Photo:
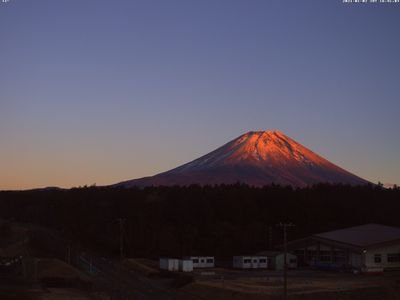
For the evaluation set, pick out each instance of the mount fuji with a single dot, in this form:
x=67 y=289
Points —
x=255 y=158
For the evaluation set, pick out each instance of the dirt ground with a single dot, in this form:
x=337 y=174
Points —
x=301 y=285
x=64 y=294
x=220 y=283
x=52 y=267
x=15 y=287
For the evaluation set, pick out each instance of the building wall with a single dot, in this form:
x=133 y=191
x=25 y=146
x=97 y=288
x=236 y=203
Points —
x=356 y=260
x=388 y=256
x=371 y=260
x=324 y=255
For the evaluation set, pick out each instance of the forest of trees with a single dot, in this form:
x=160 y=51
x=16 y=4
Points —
x=177 y=221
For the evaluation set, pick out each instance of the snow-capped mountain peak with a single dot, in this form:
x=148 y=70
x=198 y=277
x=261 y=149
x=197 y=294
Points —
x=256 y=158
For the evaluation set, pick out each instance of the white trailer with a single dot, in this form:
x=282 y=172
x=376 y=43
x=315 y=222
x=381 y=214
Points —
x=202 y=261
x=262 y=262
x=276 y=260
x=250 y=262
x=169 y=264
x=291 y=261
x=185 y=265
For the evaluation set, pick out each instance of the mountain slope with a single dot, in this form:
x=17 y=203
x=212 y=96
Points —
x=256 y=158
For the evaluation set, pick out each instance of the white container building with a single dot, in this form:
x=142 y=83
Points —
x=169 y=264
x=185 y=265
x=250 y=262
x=202 y=261
x=276 y=260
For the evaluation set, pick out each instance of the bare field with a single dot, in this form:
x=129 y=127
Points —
x=226 y=283
x=301 y=285
x=142 y=265
x=64 y=294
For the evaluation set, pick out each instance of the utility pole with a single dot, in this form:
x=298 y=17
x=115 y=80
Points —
x=284 y=227
x=121 y=237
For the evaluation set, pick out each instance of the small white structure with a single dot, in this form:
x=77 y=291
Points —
x=276 y=260
x=250 y=262
x=291 y=261
x=185 y=265
x=202 y=261
x=169 y=264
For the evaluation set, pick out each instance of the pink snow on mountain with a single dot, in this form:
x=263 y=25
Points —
x=256 y=158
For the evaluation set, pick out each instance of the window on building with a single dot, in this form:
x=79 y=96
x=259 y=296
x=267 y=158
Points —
x=339 y=259
x=202 y=261
x=339 y=256
x=325 y=255
x=263 y=260
x=255 y=261
x=377 y=258
x=210 y=260
x=393 y=257
x=325 y=258
x=292 y=260
x=195 y=261
x=247 y=261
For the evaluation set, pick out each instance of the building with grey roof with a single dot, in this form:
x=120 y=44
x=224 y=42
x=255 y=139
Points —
x=368 y=248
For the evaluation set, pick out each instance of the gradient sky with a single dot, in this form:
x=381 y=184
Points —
x=100 y=91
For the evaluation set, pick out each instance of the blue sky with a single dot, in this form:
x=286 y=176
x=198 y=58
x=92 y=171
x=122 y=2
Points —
x=104 y=91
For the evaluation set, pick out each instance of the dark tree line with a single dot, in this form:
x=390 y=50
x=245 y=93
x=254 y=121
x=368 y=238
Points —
x=177 y=221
